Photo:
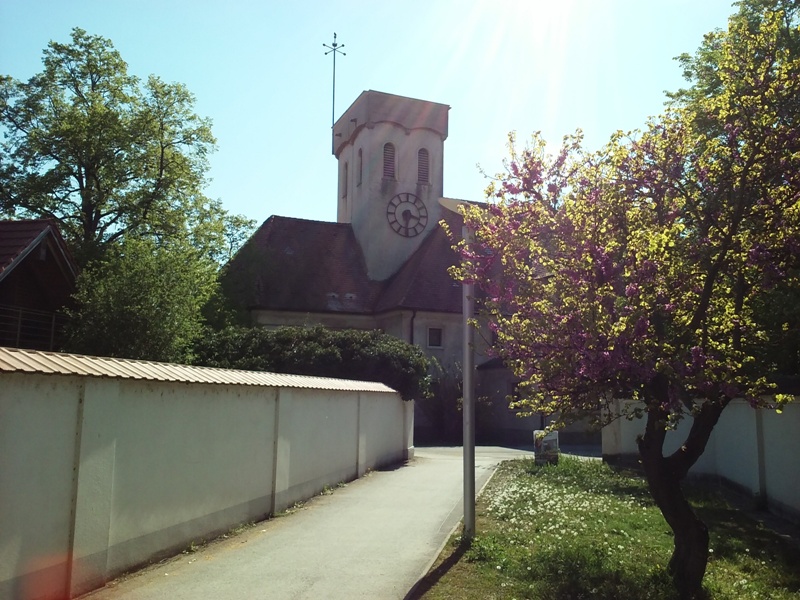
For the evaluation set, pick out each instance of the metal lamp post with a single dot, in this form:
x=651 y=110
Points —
x=468 y=385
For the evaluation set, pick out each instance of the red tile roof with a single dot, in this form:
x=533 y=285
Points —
x=313 y=266
x=302 y=265
x=18 y=238
x=423 y=282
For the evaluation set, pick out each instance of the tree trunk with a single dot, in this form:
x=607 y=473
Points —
x=690 y=556
x=664 y=476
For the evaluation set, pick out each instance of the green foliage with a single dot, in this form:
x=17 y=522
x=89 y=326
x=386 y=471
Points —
x=584 y=530
x=344 y=354
x=120 y=165
x=107 y=155
x=745 y=84
x=777 y=313
x=142 y=301
x=653 y=268
x=487 y=548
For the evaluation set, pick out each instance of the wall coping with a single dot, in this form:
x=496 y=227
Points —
x=16 y=360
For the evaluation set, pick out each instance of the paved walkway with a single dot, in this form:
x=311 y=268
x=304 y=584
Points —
x=373 y=538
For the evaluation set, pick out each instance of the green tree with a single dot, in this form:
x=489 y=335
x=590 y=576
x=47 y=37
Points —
x=103 y=153
x=744 y=84
x=642 y=270
x=317 y=351
x=143 y=300
x=120 y=165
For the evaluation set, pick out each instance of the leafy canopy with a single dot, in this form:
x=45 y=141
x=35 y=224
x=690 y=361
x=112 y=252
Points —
x=143 y=300
x=648 y=269
x=103 y=153
x=120 y=165
x=638 y=269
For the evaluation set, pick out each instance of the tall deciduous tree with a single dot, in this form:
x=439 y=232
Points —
x=120 y=164
x=640 y=270
x=101 y=152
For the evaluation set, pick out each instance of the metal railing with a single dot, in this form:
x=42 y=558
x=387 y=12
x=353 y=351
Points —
x=26 y=328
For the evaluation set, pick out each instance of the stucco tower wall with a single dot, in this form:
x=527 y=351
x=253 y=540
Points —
x=374 y=120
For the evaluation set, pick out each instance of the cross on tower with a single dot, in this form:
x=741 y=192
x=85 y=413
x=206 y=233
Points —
x=334 y=49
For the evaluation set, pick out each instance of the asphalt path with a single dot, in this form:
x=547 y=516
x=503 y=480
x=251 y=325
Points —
x=372 y=538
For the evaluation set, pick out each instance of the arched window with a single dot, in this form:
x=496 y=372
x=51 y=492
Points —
x=423 y=166
x=388 y=161
x=344 y=181
x=360 y=166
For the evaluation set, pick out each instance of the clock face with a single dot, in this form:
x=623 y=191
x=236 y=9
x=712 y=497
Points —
x=407 y=214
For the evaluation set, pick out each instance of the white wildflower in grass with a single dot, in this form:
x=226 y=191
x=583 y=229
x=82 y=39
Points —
x=558 y=532
x=561 y=507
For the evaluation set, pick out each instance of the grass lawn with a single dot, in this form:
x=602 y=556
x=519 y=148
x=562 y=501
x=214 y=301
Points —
x=582 y=530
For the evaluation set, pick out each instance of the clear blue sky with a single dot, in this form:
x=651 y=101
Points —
x=259 y=71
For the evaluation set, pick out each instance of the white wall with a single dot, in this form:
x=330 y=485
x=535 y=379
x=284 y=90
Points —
x=37 y=451
x=781 y=459
x=756 y=450
x=117 y=472
x=318 y=442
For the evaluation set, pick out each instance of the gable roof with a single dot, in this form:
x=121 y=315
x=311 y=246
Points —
x=423 y=282
x=302 y=265
x=314 y=266
x=19 y=238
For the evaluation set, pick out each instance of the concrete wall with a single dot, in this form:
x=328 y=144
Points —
x=451 y=353
x=37 y=451
x=756 y=450
x=116 y=472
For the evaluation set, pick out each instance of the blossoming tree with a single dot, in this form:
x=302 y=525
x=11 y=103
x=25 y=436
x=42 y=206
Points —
x=639 y=271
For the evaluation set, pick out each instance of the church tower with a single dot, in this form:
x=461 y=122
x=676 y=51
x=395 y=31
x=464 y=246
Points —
x=390 y=151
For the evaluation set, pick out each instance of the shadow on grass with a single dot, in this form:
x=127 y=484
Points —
x=735 y=535
x=424 y=585
x=582 y=571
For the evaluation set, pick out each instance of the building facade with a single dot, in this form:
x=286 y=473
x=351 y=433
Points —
x=384 y=263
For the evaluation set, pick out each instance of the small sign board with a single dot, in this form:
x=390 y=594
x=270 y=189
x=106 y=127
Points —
x=545 y=446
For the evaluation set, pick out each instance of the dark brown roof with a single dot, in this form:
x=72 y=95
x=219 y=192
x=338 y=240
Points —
x=20 y=238
x=313 y=266
x=423 y=282
x=296 y=264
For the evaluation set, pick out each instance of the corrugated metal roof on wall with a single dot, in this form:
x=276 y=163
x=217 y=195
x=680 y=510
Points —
x=15 y=360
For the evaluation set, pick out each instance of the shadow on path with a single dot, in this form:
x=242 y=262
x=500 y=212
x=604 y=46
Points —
x=425 y=584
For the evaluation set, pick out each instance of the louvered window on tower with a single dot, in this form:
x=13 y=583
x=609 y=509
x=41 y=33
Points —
x=388 y=161
x=423 y=166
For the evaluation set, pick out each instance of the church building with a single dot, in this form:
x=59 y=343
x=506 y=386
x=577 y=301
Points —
x=383 y=264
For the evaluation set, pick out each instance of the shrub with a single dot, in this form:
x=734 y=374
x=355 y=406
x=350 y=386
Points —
x=321 y=352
